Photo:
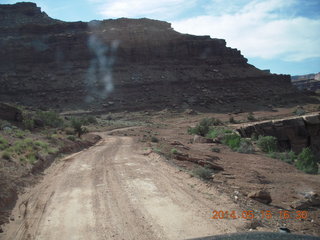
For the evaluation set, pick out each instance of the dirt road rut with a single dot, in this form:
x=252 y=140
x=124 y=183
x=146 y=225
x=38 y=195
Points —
x=113 y=191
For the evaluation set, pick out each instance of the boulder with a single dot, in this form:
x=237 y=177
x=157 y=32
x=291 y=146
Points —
x=262 y=196
x=310 y=199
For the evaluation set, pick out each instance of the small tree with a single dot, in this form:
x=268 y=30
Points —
x=307 y=161
x=267 y=143
x=78 y=128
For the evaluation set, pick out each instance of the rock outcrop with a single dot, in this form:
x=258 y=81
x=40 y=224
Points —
x=124 y=64
x=293 y=133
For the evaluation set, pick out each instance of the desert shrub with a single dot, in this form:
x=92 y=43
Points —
x=3 y=143
x=31 y=157
x=154 y=139
x=232 y=120
x=71 y=137
x=215 y=132
x=77 y=126
x=19 y=133
x=6 y=155
x=307 y=162
x=202 y=172
x=69 y=131
x=288 y=157
x=174 y=151
x=52 y=150
x=4 y=124
x=267 y=143
x=299 y=111
x=49 y=118
x=251 y=117
x=232 y=140
x=89 y=120
x=254 y=136
x=272 y=155
x=214 y=149
x=245 y=146
x=203 y=127
x=28 y=123
x=41 y=144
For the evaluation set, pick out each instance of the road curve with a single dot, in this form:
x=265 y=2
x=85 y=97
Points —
x=113 y=191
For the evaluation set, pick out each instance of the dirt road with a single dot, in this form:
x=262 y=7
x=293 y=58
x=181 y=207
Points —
x=113 y=191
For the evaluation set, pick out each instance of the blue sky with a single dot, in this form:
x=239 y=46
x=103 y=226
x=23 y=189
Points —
x=280 y=35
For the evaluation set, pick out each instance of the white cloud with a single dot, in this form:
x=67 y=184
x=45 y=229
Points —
x=164 y=9
x=259 y=30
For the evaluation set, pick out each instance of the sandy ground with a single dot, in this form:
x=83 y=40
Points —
x=113 y=191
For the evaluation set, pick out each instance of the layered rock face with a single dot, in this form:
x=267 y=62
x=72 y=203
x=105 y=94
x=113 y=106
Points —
x=293 y=133
x=124 y=64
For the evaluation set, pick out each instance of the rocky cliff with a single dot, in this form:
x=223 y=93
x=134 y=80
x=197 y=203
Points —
x=124 y=64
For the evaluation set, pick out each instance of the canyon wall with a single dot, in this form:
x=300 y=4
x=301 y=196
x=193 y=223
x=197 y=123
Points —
x=125 y=64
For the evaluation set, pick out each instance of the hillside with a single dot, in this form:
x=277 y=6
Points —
x=126 y=64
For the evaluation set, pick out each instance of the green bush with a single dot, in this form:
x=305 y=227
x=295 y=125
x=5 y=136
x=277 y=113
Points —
x=77 y=126
x=203 y=127
x=245 y=146
x=307 y=162
x=299 y=111
x=6 y=155
x=19 y=133
x=267 y=144
x=215 y=132
x=174 y=151
x=202 y=172
x=31 y=158
x=288 y=157
x=71 y=137
x=49 y=118
x=251 y=117
x=232 y=140
x=3 y=143
x=89 y=120
x=272 y=155
x=28 y=123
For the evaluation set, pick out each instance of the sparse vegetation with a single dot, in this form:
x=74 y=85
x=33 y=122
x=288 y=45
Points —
x=251 y=117
x=28 y=123
x=174 y=151
x=214 y=149
x=306 y=161
x=71 y=137
x=245 y=146
x=203 y=173
x=89 y=120
x=3 y=143
x=6 y=155
x=288 y=157
x=49 y=118
x=267 y=144
x=232 y=140
x=299 y=111
x=215 y=132
x=203 y=127
x=232 y=120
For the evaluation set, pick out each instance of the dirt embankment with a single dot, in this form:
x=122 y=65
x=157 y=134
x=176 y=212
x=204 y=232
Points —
x=14 y=177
